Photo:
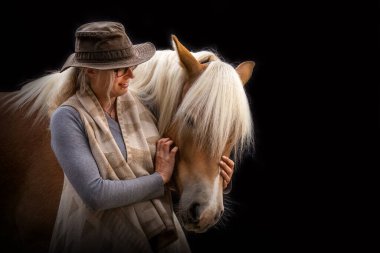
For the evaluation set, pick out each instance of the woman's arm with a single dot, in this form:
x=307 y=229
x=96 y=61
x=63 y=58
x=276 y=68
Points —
x=70 y=145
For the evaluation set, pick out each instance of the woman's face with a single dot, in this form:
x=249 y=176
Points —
x=121 y=82
x=119 y=77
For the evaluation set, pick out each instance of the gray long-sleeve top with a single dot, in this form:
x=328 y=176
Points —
x=70 y=144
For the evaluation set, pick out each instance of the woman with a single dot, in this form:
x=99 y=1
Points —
x=114 y=197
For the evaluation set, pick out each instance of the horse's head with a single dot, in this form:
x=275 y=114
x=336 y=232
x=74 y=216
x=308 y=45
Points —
x=201 y=104
x=212 y=119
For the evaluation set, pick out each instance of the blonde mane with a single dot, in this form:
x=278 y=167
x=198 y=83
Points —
x=216 y=104
x=43 y=95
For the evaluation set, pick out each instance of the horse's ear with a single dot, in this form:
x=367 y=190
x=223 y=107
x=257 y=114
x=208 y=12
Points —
x=192 y=66
x=245 y=70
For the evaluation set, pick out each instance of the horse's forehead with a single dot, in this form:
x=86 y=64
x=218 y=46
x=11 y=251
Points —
x=204 y=65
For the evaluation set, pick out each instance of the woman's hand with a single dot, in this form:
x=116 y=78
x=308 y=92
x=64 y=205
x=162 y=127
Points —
x=165 y=158
x=227 y=169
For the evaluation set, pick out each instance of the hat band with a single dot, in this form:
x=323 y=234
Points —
x=105 y=55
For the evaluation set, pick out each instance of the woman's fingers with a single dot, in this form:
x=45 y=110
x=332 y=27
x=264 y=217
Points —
x=229 y=162
x=227 y=169
x=165 y=148
x=163 y=144
x=165 y=158
x=174 y=151
x=225 y=176
x=166 y=145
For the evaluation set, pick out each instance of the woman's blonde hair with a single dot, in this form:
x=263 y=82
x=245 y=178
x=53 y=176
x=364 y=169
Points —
x=104 y=78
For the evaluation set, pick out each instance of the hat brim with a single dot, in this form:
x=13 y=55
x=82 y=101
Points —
x=144 y=52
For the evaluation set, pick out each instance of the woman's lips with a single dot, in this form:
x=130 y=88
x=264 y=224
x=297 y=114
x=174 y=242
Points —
x=124 y=85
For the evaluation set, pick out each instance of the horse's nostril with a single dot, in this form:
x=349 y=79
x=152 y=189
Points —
x=194 y=212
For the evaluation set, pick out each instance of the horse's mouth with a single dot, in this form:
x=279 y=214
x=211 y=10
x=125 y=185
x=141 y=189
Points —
x=196 y=228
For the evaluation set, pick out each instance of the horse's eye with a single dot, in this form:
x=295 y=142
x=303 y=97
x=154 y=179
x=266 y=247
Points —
x=190 y=121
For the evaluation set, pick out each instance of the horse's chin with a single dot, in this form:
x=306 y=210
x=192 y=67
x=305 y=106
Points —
x=195 y=228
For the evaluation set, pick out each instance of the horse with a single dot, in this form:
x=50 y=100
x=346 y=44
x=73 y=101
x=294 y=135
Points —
x=199 y=101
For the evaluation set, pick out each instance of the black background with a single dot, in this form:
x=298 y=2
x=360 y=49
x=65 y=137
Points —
x=300 y=190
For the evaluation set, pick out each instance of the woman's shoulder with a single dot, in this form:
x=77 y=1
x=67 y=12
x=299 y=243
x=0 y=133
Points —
x=65 y=115
x=65 y=111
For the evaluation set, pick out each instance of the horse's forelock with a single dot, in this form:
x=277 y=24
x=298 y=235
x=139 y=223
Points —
x=216 y=102
x=218 y=108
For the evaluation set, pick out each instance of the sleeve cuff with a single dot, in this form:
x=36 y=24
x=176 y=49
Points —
x=159 y=183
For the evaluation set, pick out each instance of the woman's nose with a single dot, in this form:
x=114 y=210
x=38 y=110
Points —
x=130 y=73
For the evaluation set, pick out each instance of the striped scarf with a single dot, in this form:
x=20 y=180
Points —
x=142 y=227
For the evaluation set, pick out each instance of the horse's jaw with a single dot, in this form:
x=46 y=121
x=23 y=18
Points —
x=200 y=204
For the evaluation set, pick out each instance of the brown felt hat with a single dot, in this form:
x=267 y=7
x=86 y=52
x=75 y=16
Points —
x=105 y=45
